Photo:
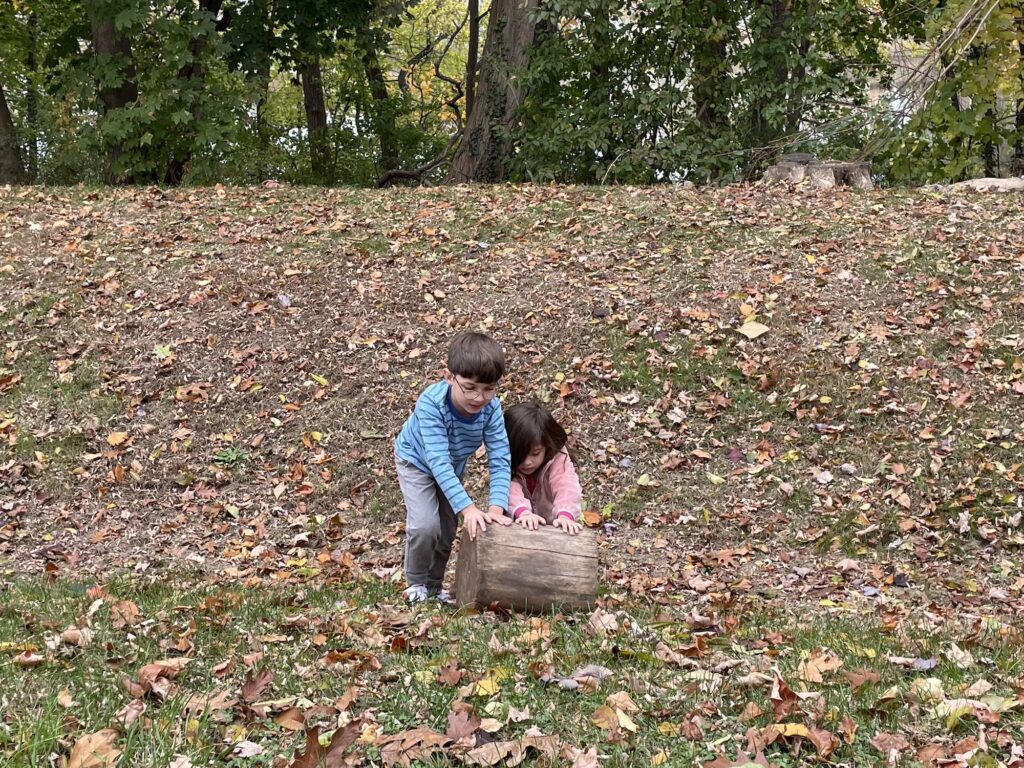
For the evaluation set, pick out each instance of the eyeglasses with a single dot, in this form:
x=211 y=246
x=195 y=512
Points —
x=487 y=391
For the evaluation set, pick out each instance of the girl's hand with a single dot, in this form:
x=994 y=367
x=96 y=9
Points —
x=530 y=521
x=567 y=524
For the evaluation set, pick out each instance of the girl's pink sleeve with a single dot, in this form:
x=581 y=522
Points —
x=565 y=487
x=518 y=503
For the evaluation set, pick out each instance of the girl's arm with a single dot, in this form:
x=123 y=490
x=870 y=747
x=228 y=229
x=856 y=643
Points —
x=518 y=503
x=565 y=487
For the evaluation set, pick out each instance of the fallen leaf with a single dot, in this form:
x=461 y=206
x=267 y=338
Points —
x=821 y=662
x=96 y=750
x=752 y=329
x=512 y=752
x=886 y=743
x=117 y=438
x=605 y=717
x=254 y=685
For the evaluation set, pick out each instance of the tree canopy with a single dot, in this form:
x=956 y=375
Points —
x=366 y=92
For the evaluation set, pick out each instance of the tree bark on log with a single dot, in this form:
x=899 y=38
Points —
x=527 y=570
x=486 y=148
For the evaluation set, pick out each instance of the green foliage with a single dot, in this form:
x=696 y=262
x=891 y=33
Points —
x=650 y=91
x=968 y=117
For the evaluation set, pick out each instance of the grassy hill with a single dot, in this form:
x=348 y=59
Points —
x=798 y=417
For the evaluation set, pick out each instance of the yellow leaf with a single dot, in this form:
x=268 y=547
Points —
x=659 y=759
x=117 y=438
x=668 y=729
x=625 y=721
x=486 y=687
x=319 y=380
x=715 y=479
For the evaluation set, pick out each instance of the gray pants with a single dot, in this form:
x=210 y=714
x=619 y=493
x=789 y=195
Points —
x=430 y=527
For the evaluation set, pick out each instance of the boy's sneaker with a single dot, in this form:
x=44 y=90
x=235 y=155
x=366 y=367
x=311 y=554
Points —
x=417 y=593
x=444 y=596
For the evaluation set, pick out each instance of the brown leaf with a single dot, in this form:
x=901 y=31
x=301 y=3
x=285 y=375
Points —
x=125 y=614
x=887 y=742
x=331 y=756
x=155 y=678
x=821 y=662
x=254 y=685
x=741 y=761
x=96 y=750
x=414 y=744
x=586 y=759
x=784 y=701
x=451 y=675
x=860 y=677
x=605 y=717
x=462 y=723
x=131 y=712
x=512 y=752
x=291 y=719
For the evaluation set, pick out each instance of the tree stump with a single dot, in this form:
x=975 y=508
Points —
x=802 y=167
x=527 y=570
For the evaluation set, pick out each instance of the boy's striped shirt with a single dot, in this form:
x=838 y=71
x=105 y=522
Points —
x=438 y=440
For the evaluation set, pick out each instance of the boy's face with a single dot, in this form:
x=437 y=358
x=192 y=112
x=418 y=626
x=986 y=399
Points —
x=468 y=395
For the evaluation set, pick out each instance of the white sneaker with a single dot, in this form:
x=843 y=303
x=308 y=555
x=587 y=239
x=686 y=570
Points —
x=444 y=596
x=417 y=593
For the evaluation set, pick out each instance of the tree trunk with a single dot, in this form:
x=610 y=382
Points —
x=193 y=78
x=383 y=116
x=1017 y=164
x=108 y=43
x=32 y=99
x=473 y=53
x=316 y=121
x=11 y=169
x=486 y=147
x=527 y=570
x=709 y=79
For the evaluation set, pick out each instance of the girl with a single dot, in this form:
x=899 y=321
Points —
x=545 y=489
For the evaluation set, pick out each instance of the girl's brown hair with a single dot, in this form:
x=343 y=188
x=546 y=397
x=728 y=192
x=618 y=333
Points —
x=528 y=424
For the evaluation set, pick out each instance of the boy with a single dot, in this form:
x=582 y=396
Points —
x=452 y=418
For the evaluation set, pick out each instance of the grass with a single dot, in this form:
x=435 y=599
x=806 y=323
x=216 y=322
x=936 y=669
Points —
x=79 y=690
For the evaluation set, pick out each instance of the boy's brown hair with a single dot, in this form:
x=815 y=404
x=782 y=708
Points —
x=476 y=356
x=528 y=424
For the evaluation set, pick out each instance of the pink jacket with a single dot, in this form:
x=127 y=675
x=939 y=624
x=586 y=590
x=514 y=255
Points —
x=556 y=492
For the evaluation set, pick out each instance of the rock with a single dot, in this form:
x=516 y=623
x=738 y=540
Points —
x=989 y=184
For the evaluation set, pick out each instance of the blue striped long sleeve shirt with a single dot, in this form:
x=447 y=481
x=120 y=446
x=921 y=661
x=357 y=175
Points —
x=438 y=440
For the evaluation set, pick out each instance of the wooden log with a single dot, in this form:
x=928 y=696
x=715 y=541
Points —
x=527 y=570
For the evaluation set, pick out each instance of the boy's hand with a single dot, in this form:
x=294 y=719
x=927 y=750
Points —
x=497 y=515
x=475 y=520
x=568 y=525
x=530 y=521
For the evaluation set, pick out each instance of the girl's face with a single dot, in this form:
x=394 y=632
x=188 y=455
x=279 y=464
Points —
x=533 y=461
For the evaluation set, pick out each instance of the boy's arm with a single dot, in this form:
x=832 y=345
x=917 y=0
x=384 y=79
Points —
x=565 y=487
x=434 y=439
x=499 y=458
